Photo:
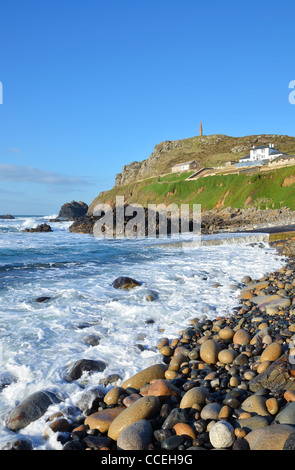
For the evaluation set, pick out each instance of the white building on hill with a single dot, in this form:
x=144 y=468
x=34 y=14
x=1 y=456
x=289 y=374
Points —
x=186 y=166
x=260 y=154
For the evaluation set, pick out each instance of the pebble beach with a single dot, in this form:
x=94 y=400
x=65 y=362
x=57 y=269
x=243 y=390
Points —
x=226 y=383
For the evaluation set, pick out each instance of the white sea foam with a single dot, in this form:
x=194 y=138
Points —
x=40 y=339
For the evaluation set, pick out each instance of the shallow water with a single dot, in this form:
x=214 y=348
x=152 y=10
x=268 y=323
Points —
x=38 y=340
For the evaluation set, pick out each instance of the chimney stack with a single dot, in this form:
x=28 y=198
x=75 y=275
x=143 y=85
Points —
x=201 y=129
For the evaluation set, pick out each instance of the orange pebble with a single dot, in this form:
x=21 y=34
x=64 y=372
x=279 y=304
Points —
x=289 y=395
x=184 y=429
x=245 y=415
x=240 y=432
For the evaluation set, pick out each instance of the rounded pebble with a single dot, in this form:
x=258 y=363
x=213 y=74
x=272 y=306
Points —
x=222 y=435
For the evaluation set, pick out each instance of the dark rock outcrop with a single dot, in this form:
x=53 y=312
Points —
x=125 y=283
x=41 y=228
x=42 y=299
x=73 y=210
x=7 y=216
x=83 y=225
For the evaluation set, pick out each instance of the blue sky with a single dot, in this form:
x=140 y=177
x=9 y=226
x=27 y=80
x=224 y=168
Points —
x=89 y=86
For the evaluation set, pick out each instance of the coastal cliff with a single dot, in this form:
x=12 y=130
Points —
x=151 y=180
x=208 y=150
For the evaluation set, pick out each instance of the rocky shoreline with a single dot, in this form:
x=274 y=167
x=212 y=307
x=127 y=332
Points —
x=227 y=383
x=217 y=220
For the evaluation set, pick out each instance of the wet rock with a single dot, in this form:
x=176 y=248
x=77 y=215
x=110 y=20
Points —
x=43 y=228
x=144 y=408
x=163 y=388
x=110 y=379
x=42 y=299
x=22 y=443
x=92 y=340
x=61 y=425
x=6 y=378
x=31 y=409
x=101 y=420
x=111 y=398
x=145 y=376
x=89 y=400
x=152 y=296
x=78 y=368
x=125 y=283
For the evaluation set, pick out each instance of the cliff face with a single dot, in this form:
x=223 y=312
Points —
x=136 y=171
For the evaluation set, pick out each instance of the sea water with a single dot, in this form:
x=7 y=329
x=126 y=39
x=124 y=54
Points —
x=39 y=340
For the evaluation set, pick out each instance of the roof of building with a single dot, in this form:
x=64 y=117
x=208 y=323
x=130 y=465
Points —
x=261 y=147
x=276 y=151
x=272 y=149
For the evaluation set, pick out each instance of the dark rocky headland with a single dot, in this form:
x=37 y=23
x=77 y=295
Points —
x=7 y=217
x=227 y=383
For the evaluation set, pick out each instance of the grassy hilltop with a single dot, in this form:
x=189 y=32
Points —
x=143 y=183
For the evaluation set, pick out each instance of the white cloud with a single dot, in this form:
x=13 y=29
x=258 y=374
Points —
x=17 y=173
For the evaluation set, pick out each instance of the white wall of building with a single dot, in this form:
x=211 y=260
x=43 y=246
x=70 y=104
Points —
x=262 y=153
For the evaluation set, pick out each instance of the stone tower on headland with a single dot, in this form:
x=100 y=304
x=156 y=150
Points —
x=201 y=129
